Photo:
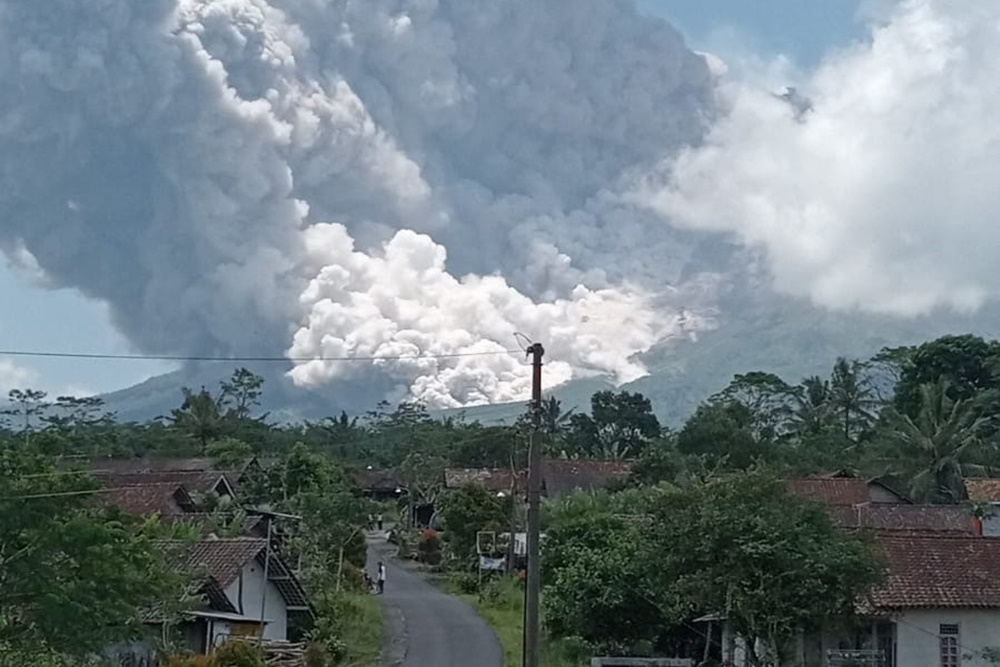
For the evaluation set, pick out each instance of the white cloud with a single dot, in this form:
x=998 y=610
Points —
x=14 y=376
x=885 y=196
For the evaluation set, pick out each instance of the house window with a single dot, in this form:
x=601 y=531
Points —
x=948 y=639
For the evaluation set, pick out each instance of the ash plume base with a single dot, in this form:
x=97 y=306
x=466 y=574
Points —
x=243 y=176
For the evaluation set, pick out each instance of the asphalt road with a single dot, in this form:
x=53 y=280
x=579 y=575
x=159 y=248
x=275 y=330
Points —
x=426 y=628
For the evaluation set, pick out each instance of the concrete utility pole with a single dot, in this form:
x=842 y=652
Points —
x=532 y=618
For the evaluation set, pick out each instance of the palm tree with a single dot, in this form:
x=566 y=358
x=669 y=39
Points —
x=943 y=437
x=852 y=396
x=811 y=410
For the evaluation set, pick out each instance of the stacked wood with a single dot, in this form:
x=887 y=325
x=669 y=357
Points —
x=281 y=654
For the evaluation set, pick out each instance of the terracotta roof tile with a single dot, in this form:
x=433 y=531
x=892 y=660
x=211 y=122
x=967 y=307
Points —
x=491 y=479
x=931 y=571
x=837 y=490
x=164 y=498
x=562 y=476
x=913 y=518
x=220 y=561
x=152 y=464
x=195 y=481
x=984 y=490
x=377 y=480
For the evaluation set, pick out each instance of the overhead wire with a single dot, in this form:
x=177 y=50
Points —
x=245 y=359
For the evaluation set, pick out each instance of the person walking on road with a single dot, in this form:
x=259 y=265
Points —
x=381 y=578
x=380 y=522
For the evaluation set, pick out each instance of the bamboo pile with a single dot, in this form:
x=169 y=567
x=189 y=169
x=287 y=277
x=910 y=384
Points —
x=282 y=654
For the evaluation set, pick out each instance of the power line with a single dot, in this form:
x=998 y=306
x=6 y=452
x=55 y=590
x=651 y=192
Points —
x=65 y=494
x=168 y=357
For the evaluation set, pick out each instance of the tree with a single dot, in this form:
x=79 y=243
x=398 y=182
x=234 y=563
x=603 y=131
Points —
x=852 y=397
x=73 y=578
x=766 y=398
x=942 y=438
x=27 y=406
x=618 y=427
x=811 y=414
x=240 y=394
x=424 y=477
x=723 y=433
x=228 y=453
x=968 y=364
x=770 y=563
x=467 y=511
x=199 y=416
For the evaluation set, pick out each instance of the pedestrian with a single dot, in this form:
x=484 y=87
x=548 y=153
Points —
x=381 y=578
x=371 y=521
x=380 y=522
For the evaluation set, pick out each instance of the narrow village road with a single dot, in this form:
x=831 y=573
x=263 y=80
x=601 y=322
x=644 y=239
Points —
x=425 y=627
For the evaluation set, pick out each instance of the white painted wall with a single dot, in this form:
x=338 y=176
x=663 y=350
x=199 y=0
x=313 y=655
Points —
x=917 y=642
x=275 y=612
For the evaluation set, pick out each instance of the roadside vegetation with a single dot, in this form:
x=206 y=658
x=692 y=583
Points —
x=627 y=570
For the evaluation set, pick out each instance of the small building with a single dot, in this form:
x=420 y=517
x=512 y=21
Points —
x=494 y=480
x=164 y=499
x=938 y=607
x=379 y=484
x=245 y=591
x=196 y=482
x=956 y=519
x=564 y=476
x=839 y=491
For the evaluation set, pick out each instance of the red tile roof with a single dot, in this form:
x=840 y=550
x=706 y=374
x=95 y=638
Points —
x=153 y=464
x=838 y=490
x=491 y=479
x=934 y=571
x=987 y=490
x=379 y=480
x=220 y=562
x=913 y=518
x=164 y=498
x=562 y=476
x=195 y=481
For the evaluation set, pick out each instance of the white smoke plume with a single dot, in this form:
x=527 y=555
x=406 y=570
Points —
x=240 y=176
x=884 y=195
x=403 y=303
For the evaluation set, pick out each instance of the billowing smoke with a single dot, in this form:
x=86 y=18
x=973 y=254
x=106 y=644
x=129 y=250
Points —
x=882 y=193
x=246 y=176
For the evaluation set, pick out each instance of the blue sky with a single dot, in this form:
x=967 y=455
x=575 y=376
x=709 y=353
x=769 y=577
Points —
x=802 y=29
x=63 y=321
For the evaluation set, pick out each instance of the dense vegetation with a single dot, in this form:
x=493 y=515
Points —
x=626 y=570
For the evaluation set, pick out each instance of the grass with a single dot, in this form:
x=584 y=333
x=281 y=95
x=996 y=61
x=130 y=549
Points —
x=362 y=631
x=501 y=605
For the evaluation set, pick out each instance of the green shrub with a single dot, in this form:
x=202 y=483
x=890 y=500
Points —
x=467 y=583
x=238 y=654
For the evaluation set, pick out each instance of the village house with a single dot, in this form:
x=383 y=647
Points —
x=244 y=589
x=162 y=465
x=939 y=607
x=163 y=499
x=871 y=504
x=559 y=477
x=841 y=490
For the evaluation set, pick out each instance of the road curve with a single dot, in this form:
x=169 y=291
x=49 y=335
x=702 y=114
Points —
x=425 y=627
